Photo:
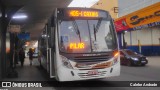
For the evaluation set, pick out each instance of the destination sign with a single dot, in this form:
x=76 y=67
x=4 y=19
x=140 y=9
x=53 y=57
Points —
x=81 y=13
x=78 y=13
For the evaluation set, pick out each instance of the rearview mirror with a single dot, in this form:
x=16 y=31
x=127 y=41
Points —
x=109 y=41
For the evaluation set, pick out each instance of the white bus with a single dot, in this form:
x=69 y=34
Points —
x=79 y=44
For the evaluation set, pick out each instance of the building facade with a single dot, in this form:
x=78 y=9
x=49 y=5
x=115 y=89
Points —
x=138 y=26
x=128 y=6
x=108 y=5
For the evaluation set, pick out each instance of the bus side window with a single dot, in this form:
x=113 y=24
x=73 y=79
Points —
x=52 y=34
x=53 y=21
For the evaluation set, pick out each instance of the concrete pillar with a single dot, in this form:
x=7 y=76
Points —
x=0 y=43
x=3 y=40
x=119 y=40
x=124 y=42
x=5 y=69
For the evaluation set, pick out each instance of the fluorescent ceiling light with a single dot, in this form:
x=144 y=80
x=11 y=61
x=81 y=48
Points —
x=82 y=3
x=20 y=16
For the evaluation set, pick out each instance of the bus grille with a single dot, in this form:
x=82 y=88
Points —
x=91 y=59
x=96 y=66
x=86 y=75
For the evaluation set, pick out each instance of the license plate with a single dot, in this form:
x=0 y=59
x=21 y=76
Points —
x=143 y=61
x=93 y=72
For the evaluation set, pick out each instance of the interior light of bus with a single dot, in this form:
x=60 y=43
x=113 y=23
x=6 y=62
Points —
x=77 y=13
x=76 y=45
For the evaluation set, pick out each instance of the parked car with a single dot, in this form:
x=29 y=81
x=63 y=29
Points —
x=129 y=57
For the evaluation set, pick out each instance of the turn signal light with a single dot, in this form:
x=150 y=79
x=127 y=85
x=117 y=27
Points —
x=116 y=54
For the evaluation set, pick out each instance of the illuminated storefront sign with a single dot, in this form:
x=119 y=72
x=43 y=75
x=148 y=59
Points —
x=137 y=20
x=146 y=17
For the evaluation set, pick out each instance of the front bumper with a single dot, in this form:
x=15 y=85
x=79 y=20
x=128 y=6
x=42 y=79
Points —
x=65 y=74
x=140 y=62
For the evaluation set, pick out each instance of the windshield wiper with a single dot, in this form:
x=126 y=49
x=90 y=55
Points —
x=98 y=24
x=96 y=28
x=76 y=29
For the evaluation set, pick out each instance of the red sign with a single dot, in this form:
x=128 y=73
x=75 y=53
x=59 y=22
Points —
x=121 y=25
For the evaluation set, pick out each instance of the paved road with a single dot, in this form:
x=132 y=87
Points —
x=150 y=72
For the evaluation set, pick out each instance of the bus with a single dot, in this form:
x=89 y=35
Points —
x=79 y=44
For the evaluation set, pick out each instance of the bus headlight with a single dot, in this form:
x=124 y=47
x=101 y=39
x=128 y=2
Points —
x=66 y=62
x=115 y=60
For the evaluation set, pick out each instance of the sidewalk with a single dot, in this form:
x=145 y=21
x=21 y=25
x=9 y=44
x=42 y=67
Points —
x=27 y=72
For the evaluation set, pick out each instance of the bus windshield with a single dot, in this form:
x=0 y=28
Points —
x=86 y=36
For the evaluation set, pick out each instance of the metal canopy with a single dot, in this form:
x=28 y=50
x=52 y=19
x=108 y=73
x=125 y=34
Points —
x=38 y=12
